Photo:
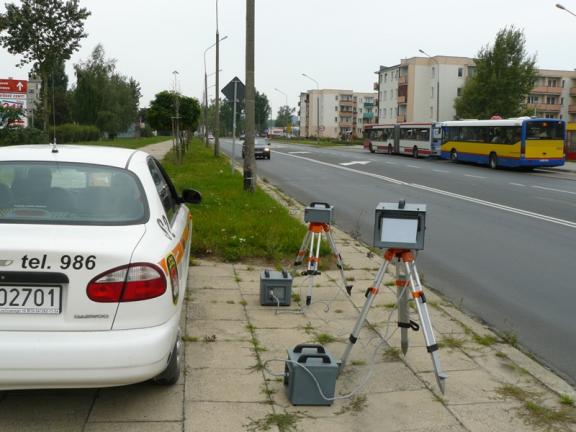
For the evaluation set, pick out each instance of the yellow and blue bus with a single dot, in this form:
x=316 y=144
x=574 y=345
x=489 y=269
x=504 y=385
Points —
x=523 y=142
x=570 y=149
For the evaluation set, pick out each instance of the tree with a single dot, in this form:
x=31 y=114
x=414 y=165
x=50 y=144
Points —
x=44 y=32
x=163 y=109
x=284 y=116
x=103 y=97
x=262 y=112
x=504 y=76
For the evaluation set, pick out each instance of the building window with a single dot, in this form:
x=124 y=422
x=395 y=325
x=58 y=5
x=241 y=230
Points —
x=336 y=97
x=551 y=100
x=433 y=71
x=459 y=91
x=336 y=108
x=385 y=77
x=460 y=72
x=552 y=82
x=390 y=112
x=532 y=99
x=335 y=119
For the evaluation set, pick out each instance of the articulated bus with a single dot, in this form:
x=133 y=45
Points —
x=522 y=142
x=570 y=149
x=415 y=139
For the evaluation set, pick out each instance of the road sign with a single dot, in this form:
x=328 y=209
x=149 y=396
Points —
x=13 y=94
x=228 y=90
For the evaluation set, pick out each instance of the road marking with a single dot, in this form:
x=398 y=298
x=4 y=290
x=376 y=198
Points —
x=473 y=176
x=413 y=166
x=517 y=184
x=502 y=207
x=354 y=163
x=441 y=171
x=390 y=163
x=555 y=190
x=299 y=152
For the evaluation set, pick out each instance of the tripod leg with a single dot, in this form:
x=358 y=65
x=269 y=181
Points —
x=313 y=258
x=302 y=251
x=370 y=295
x=402 y=295
x=339 y=262
x=420 y=299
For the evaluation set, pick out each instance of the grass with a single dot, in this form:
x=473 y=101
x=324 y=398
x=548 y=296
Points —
x=285 y=422
x=132 y=143
x=324 y=338
x=391 y=354
x=356 y=405
x=451 y=342
x=510 y=338
x=486 y=340
x=566 y=399
x=231 y=224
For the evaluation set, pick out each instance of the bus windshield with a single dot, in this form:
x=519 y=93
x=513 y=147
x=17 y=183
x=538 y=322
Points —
x=543 y=130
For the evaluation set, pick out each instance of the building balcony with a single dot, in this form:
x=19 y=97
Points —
x=369 y=104
x=346 y=102
x=403 y=80
x=573 y=91
x=345 y=113
x=401 y=99
x=547 y=90
x=368 y=115
x=545 y=107
x=376 y=86
x=572 y=109
x=401 y=118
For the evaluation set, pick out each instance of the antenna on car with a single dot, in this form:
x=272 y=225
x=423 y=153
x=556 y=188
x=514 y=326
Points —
x=54 y=148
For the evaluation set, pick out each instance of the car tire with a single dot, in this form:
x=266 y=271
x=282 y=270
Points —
x=171 y=374
x=493 y=161
x=371 y=148
x=454 y=155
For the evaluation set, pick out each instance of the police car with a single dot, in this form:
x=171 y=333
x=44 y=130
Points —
x=93 y=266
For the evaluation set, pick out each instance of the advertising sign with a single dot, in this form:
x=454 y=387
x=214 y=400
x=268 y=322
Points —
x=13 y=94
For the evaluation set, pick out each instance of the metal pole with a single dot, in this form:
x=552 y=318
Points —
x=205 y=107
x=317 y=105
x=217 y=123
x=234 y=127
x=249 y=107
x=559 y=6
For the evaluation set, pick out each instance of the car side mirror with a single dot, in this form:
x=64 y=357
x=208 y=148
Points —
x=191 y=196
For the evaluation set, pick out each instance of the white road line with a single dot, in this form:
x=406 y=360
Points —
x=502 y=207
x=555 y=190
x=390 y=163
x=517 y=184
x=473 y=176
x=412 y=166
x=441 y=171
x=299 y=152
x=354 y=163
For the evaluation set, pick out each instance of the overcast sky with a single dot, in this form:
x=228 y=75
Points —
x=340 y=43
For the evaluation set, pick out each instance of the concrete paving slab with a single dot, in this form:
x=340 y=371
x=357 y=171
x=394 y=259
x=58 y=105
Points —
x=134 y=427
x=225 y=283
x=222 y=416
x=231 y=296
x=490 y=417
x=216 y=270
x=142 y=402
x=223 y=311
x=451 y=360
x=220 y=355
x=224 y=385
x=223 y=330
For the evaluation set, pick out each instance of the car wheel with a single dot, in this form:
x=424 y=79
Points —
x=454 y=155
x=389 y=149
x=371 y=148
x=268 y=157
x=493 y=161
x=415 y=152
x=171 y=374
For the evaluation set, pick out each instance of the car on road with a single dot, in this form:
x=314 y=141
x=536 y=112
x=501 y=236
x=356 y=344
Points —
x=261 y=148
x=93 y=267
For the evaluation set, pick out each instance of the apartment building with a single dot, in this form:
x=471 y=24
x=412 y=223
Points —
x=554 y=95
x=421 y=89
x=334 y=113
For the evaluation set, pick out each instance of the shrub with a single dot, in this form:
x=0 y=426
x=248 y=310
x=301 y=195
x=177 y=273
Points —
x=72 y=133
x=18 y=135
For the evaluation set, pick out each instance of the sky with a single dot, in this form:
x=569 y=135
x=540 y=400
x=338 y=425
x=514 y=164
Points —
x=339 y=43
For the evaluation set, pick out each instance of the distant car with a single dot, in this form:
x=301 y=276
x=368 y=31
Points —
x=93 y=267
x=261 y=148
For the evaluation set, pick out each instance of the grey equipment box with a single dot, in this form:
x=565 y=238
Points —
x=318 y=212
x=400 y=226
x=298 y=382
x=275 y=288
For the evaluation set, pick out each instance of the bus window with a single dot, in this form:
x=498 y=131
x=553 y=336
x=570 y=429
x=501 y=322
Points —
x=542 y=130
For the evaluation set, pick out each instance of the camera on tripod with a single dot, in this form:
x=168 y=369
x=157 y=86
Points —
x=400 y=226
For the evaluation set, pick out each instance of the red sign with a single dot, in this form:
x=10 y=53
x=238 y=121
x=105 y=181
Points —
x=13 y=86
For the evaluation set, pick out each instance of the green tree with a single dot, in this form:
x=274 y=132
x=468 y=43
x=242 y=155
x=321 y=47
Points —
x=504 y=76
x=284 y=116
x=44 y=33
x=262 y=112
x=103 y=97
x=162 y=110
x=58 y=97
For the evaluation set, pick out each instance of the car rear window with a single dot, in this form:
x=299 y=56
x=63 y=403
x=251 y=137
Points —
x=70 y=193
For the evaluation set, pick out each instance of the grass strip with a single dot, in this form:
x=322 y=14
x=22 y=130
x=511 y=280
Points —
x=132 y=143
x=231 y=224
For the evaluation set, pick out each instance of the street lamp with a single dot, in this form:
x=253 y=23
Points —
x=317 y=106
x=285 y=95
x=206 y=91
x=176 y=123
x=437 y=83
x=559 y=6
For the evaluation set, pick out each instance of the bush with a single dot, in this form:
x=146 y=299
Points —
x=72 y=133
x=146 y=132
x=18 y=135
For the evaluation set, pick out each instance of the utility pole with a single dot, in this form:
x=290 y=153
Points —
x=217 y=131
x=250 y=103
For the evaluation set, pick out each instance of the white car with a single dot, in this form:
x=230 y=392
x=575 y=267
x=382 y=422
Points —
x=93 y=266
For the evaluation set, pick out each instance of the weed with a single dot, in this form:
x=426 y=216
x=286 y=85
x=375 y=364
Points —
x=548 y=418
x=391 y=354
x=237 y=278
x=356 y=405
x=268 y=391
x=187 y=338
x=566 y=399
x=509 y=337
x=285 y=422
x=324 y=338
x=296 y=297
x=209 y=339
x=230 y=302
x=451 y=342
x=243 y=302
x=513 y=391
x=502 y=355
x=308 y=328
x=358 y=362
x=390 y=305
x=486 y=340
x=251 y=328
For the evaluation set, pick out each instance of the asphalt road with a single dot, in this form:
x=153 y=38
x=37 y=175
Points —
x=501 y=244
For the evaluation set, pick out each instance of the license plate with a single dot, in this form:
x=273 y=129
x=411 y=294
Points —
x=30 y=300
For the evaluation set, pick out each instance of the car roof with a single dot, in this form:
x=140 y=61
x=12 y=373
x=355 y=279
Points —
x=98 y=155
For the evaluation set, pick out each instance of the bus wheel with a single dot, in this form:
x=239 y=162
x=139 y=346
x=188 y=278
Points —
x=415 y=152
x=493 y=161
x=371 y=148
x=389 y=149
x=454 y=155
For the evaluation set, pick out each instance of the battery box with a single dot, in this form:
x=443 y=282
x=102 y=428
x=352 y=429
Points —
x=275 y=288
x=304 y=362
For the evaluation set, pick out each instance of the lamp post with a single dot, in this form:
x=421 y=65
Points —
x=285 y=95
x=559 y=6
x=206 y=91
x=437 y=83
x=317 y=106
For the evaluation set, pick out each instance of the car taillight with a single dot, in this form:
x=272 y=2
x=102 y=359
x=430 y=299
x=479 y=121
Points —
x=133 y=282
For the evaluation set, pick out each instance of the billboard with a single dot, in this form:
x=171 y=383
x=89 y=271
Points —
x=13 y=93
